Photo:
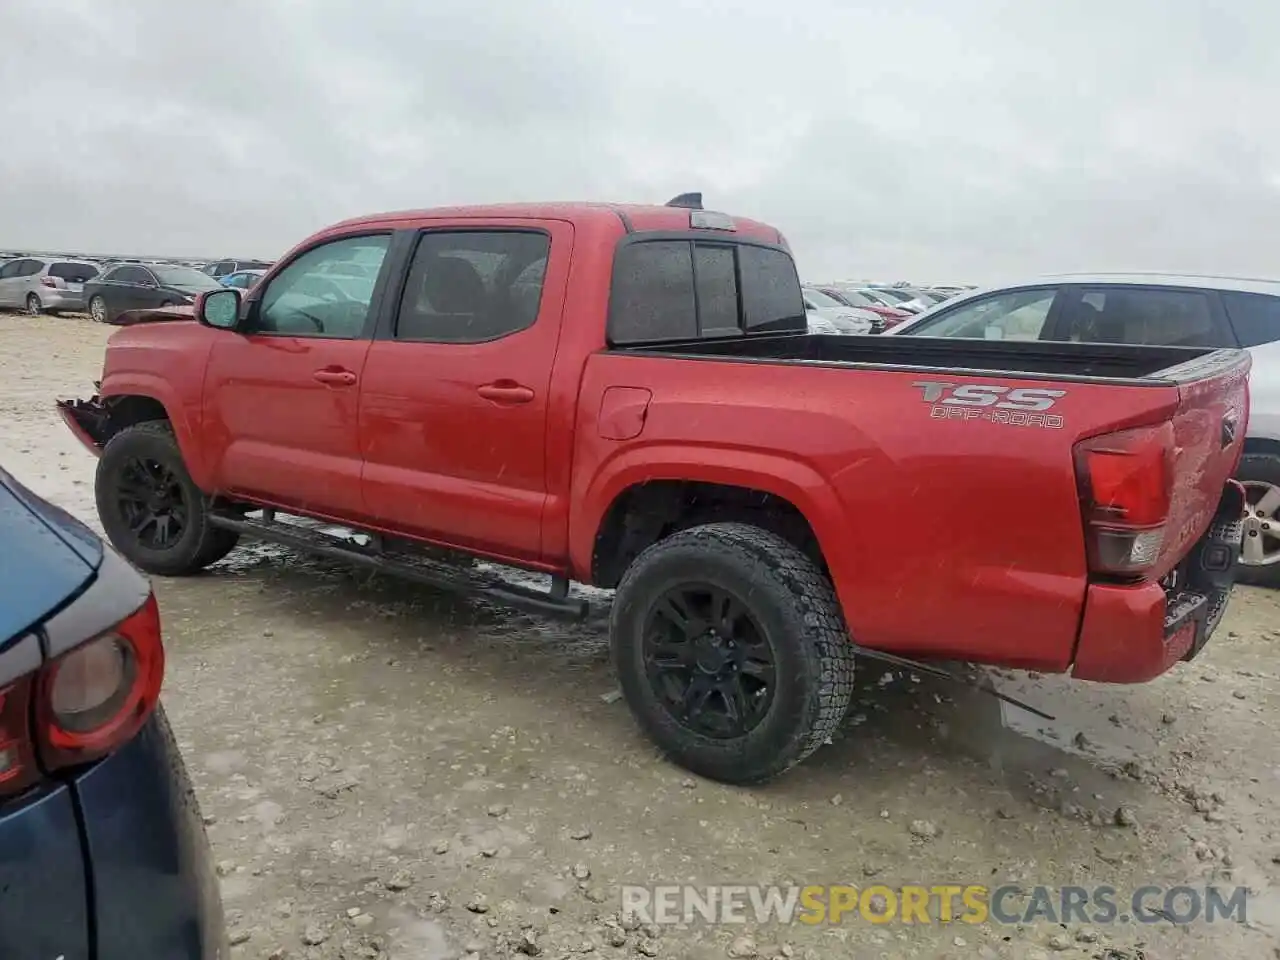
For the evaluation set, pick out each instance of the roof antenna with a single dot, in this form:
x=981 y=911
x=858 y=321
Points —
x=691 y=201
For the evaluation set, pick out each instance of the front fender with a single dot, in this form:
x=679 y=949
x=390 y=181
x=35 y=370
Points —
x=181 y=415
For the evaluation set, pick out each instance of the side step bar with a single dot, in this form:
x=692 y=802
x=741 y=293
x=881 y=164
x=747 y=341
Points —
x=556 y=602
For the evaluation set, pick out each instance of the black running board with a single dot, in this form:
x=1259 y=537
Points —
x=555 y=602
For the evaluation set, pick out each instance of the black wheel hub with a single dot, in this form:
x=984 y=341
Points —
x=708 y=661
x=152 y=503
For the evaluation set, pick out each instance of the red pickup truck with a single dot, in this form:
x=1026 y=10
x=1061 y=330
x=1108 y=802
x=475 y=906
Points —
x=626 y=397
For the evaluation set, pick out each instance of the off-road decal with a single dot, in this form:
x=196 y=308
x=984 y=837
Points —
x=1014 y=406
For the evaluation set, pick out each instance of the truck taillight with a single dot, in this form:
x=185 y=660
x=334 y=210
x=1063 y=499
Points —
x=1126 y=488
x=87 y=702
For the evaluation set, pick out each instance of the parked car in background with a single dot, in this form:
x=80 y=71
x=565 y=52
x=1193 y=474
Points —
x=242 y=279
x=832 y=316
x=220 y=268
x=903 y=298
x=40 y=285
x=852 y=297
x=1158 y=310
x=104 y=853
x=137 y=286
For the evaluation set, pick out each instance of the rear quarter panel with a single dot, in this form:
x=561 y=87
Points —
x=948 y=533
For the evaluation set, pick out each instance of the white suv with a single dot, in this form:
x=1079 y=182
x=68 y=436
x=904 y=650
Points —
x=1157 y=309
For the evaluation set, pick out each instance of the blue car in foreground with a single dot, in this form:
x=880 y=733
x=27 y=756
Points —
x=103 y=852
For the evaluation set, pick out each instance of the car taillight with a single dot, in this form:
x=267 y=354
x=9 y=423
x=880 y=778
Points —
x=87 y=702
x=1126 y=488
x=48 y=282
x=17 y=760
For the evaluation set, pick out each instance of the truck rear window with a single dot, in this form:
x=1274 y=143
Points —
x=677 y=289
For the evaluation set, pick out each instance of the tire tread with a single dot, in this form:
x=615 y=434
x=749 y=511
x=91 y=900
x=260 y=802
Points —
x=213 y=543
x=825 y=641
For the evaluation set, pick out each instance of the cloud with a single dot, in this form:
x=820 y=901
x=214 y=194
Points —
x=923 y=139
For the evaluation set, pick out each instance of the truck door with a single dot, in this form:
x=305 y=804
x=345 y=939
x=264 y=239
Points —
x=281 y=398
x=454 y=402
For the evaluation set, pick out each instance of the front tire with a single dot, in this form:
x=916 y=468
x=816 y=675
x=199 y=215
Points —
x=151 y=509
x=98 y=309
x=731 y=651
x=1260 y=558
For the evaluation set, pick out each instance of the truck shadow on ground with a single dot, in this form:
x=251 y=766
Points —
x=900 y=725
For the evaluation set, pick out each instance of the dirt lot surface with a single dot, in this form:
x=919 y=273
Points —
x=388 y=771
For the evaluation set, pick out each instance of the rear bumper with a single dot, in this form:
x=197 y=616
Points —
x=44 y=900
x=134 y=866
x=155 y=891
x=52 y=299
x=1131 y=634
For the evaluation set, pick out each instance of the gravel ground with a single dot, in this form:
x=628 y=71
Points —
x=387 y=771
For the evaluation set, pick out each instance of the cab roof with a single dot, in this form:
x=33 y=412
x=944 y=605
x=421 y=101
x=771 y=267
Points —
x=634 y=217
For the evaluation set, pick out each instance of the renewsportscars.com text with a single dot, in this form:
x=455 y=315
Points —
x=940 y=903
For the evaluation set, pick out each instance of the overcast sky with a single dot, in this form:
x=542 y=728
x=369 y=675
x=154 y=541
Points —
x=935 y=140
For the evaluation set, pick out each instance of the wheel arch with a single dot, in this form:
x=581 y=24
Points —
x=639 y=502
x=135 y=399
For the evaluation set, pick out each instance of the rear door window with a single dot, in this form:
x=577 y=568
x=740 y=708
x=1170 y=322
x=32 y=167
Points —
x=1010 y=315
x=473 y=286
x=134 y=275
x=1255 y=317
x=1145 y=316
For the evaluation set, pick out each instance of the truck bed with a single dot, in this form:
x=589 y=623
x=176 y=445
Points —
x=1030 y=359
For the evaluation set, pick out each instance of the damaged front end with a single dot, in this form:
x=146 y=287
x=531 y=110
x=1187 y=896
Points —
x=89 y=420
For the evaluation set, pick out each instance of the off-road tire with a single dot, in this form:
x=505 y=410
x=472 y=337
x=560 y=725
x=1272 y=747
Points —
x=1260 y=468
x=201 y=544
x=791 y=599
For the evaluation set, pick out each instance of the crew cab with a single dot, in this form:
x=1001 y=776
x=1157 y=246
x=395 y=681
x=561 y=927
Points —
x=625 y=396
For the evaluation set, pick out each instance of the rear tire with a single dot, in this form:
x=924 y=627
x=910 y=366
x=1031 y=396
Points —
x=34 y=306
x=98 y=309
x=1260 y=473
x=151 y=509
x=770 y=639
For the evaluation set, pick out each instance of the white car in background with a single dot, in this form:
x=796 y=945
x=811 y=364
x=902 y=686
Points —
x=828 y=315
x=1160 y=310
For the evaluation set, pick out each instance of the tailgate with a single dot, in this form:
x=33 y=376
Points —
x=1209 y=428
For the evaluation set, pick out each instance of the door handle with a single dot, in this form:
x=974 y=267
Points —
x=343 y=378
x=505 y=391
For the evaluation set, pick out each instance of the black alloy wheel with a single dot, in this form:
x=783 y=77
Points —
x=708 y=661
x=153 y=503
